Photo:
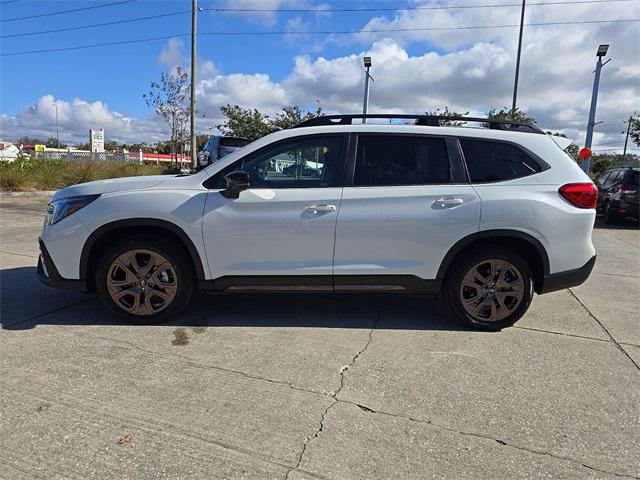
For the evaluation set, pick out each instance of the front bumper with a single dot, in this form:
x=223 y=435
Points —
x=49 y=275
x=570 y=278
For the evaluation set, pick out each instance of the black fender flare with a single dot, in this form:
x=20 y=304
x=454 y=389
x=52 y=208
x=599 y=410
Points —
x=139 y=222
x=488 y=234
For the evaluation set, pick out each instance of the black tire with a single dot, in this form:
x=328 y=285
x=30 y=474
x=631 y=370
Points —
x=608 y=213
x=178 y=274
x=474 y=261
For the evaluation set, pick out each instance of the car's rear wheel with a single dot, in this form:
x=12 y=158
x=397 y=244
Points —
x=490 y=289
x=144 y=280
x=608 y=213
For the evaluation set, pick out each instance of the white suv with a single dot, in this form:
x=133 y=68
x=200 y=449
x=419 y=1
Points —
x=482 y=216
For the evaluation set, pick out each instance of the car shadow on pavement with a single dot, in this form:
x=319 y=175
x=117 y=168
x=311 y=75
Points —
x=623 y=224
x=25 y=303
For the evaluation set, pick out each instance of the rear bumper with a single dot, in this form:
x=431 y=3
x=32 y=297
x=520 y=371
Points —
x=570 y=278
x=49 y=275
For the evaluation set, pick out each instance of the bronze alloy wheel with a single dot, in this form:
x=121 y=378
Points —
x=491 y=290
x=142 y=282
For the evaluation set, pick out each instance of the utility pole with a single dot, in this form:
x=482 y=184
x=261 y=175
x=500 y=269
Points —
x=365 y=103
x=515 y=83
x=602 y=51
x=57 y=128
x=194 y=20
x=626 y=140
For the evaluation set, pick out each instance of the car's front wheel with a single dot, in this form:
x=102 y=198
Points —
x=489 y=289
x=144 y=280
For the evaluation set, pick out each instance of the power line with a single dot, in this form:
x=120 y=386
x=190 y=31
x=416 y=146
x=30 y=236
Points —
x=96 y=25
x=396 y=30
x=60 y=12
x=391 y=30
x=395 y=9
x=93 y=45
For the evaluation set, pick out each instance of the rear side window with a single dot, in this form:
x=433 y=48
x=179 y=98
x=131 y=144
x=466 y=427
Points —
x=632 y=178
x=489 y=161
x=401 y=160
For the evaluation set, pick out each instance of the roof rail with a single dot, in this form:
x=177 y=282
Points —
x=425 y=120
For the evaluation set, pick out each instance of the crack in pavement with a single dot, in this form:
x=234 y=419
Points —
x=541 y=330
x=343 y=372
x=334 y=395
x=188 y=362
x=605 y=329
x=366 y=409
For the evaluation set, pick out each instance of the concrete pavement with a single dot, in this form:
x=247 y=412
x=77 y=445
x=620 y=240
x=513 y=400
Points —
x=340 y=387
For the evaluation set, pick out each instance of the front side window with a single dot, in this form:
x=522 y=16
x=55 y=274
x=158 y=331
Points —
x=401 y=160
x=310 y=162
x=489 y=161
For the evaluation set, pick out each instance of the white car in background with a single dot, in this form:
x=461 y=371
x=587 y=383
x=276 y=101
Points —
x=8 y=152
x=484 y=217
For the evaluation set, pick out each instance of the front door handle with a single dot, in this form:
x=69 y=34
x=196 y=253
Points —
x=445 y=202
x=321 y=208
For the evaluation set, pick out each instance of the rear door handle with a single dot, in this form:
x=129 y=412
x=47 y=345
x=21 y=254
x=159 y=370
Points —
x=445 y=202
x=321 y=208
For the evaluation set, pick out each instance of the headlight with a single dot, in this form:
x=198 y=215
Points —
x=59 y=209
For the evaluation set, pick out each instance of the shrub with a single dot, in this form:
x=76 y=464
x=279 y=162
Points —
x=36 y=174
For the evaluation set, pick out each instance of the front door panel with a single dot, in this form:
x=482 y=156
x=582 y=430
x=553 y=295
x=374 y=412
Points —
x=271 y=232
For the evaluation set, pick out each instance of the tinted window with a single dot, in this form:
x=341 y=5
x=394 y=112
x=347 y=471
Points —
x=603 y=178
x=489 y=161
x=401 y=160
x=299 y=163
x=615 y=177
x=632 y=178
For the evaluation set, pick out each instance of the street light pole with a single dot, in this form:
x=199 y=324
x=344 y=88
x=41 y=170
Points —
x=515 y=82
x=57 y=128
x=194 y=20
x=602 y=51
x=365 y=103
x=626 y=140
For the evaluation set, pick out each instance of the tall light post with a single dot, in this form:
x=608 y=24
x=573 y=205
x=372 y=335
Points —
x=515 y=82
x=602 y=51
x=626 y=139
x=365 y=103
x=57 y=128
x=194 y=20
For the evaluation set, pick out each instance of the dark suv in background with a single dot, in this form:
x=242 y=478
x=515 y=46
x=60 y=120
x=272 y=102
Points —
x=618 y=193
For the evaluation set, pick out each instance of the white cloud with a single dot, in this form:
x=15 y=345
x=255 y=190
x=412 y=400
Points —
x=173 y=55
x=75 y=119
x=466 y=70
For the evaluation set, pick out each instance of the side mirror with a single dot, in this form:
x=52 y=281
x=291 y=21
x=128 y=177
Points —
x=236 y=182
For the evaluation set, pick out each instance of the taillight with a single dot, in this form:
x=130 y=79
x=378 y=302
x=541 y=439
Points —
x=581 y=195
x=626 y=189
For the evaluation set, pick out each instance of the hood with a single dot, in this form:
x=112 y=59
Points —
x=112 y=185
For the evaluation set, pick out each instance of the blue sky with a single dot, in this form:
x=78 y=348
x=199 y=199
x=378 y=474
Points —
x=415 y=70
x=119 y=74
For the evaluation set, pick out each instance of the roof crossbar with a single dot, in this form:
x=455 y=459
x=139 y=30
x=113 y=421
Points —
x=425 y=120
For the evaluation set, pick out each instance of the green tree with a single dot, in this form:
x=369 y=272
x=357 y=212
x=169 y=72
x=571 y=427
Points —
x=505 y=114
x=29 y=141
x=448 y=113
x=52 y=142
x=604 y=161
x=82 y=146
x=252 y=124
x=111 y=146
x=170 y=100
x=634 y=131
x=244 y=122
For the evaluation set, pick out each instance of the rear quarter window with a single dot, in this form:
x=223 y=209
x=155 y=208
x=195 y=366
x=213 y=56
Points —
x=491 y=161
